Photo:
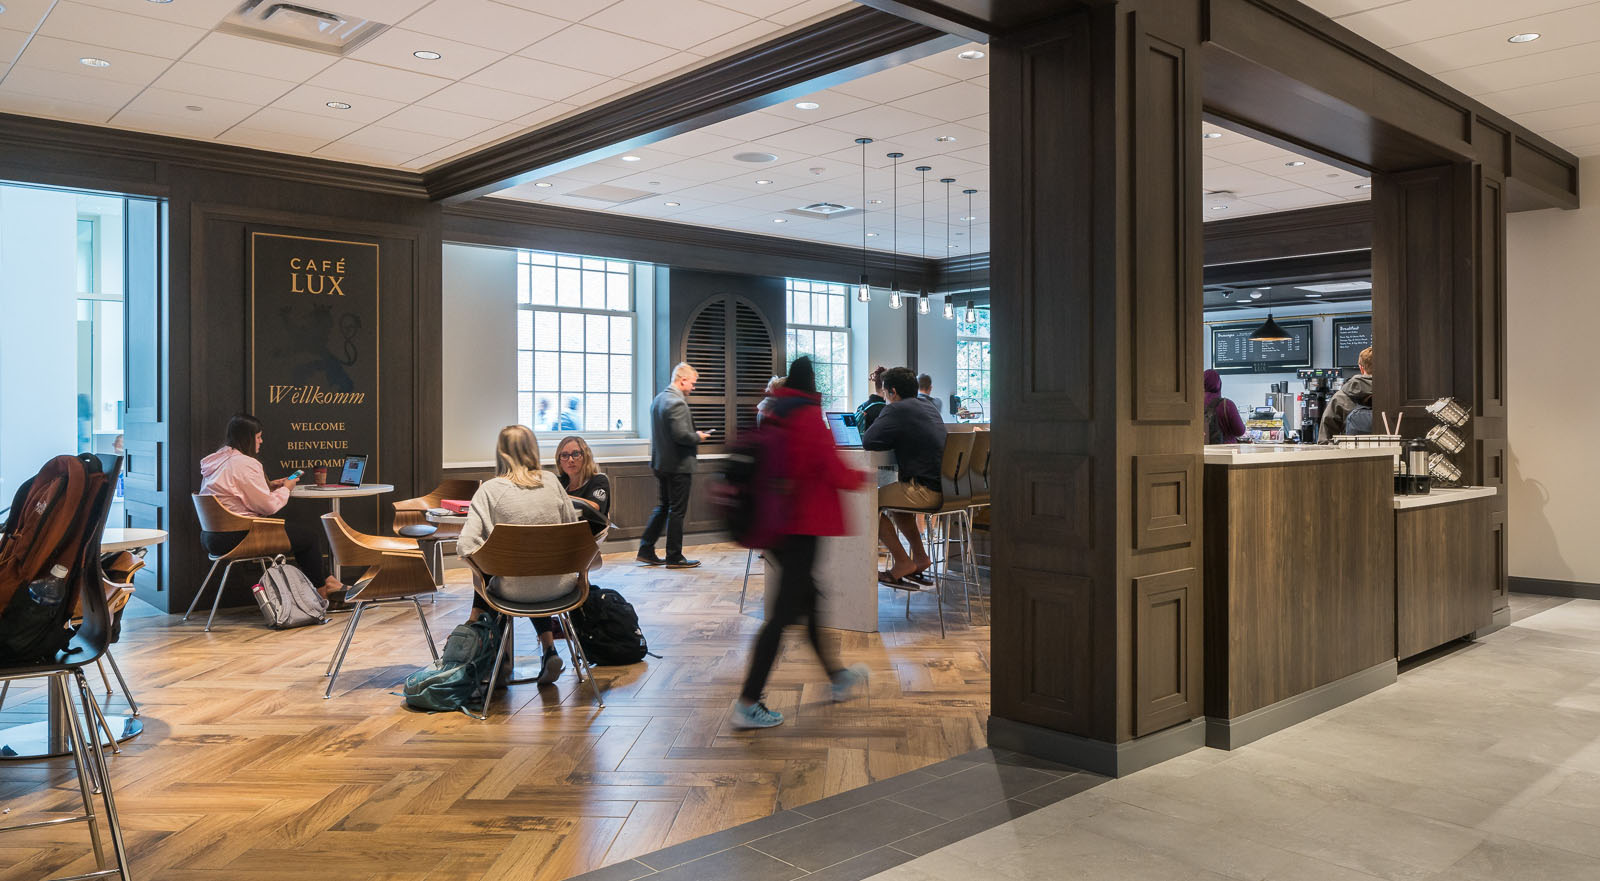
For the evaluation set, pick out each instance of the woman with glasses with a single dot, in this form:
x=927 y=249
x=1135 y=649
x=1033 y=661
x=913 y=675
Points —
x=589 y=490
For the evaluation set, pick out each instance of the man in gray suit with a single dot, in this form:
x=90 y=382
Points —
x=673 y=445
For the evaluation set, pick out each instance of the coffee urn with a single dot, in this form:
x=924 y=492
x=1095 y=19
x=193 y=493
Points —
x=1414 y=478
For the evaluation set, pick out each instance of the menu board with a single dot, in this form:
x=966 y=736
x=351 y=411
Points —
x=1232 y=350
x=1350 y=336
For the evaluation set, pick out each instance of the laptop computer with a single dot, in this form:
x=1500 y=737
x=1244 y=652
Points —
x=846 y=433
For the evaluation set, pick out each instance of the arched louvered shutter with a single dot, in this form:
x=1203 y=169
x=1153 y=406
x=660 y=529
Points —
x=731 y=343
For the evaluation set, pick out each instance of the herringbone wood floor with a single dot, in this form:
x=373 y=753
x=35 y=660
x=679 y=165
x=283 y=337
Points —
x=244 y=772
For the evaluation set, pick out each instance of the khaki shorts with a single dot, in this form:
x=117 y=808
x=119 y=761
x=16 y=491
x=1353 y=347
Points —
x=910 y=496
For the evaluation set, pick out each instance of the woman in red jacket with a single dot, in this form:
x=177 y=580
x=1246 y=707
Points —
x=812 y=474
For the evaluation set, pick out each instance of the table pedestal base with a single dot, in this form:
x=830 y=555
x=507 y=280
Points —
x=41 y=740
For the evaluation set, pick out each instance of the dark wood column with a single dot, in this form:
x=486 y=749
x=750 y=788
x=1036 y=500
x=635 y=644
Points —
x=1097 y=300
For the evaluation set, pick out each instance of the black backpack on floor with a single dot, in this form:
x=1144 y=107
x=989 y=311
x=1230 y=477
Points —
x=608 y=630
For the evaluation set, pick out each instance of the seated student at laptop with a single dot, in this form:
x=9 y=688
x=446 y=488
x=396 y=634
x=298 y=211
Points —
x=235 y=477
x=914 y=431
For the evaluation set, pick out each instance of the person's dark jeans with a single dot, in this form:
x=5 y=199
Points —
x=540 y=625
x=797 y=598
x=670 y=511
x=304 y=538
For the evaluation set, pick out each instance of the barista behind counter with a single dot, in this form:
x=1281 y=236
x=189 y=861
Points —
x=1350 y=411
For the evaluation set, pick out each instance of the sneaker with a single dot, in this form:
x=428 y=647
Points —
x=846 y=681
x=755 y=715
x=553 y=665
x=682 y=562
x=648 y=557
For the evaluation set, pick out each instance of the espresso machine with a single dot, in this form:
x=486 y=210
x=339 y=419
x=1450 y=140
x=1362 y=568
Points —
x=1320 y=384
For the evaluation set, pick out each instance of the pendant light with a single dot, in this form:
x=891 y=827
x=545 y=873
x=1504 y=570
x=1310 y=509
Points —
x=1269 y=331
x=971 y=316
x=895 y=299
x=863 y=290
x=924 y=303
x=949 y=307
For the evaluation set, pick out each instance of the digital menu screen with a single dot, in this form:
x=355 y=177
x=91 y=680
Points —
x=1350 y=336
x=1232 y=350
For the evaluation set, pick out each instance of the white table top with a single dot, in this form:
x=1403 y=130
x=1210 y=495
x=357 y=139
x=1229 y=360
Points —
x=1444 y=495
x=114 y=539
x=336 y=491
x=1286 y=454
x=444 y=518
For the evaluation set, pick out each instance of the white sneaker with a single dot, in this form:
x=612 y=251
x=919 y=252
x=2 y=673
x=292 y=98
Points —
x=846 y=681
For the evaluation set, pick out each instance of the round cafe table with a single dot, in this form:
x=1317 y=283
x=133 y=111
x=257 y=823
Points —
x=48 y=739
x=333 y=492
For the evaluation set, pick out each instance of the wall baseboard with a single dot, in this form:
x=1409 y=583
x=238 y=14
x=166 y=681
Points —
x=1550 y=587
x=1252 y=726
x=1110 y=759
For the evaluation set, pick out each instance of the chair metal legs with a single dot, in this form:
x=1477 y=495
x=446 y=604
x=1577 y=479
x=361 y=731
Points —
x=217 y=601
x=337 y=661
x=94 y=778
x=580 y=661
x=748 y=559
x=426 y=633
x=126 y=692
x=203 y=582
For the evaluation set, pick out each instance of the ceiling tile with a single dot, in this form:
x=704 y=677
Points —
x=1414 y=21
x=1336 y=8
x=227 y=84
x=895 y=83
x=1557 y=118
x=1576 y=136
x=378 y=81
x=483 y=101
x=811 y=140
x=951 y=64
x=430 y=120
x=829 y=104
x=695 y=143
x=24 y=15
x=364 y=154
x=54 y=108
x=24 y=79
x=751 y=126
x=175 y=105
x=1546 y=96
x=386 y=11
x=11 y=43
x=596 y=51
x=543 y=115
x=1527 y=70
x=53 y=53
x=680 y=24
x=289 y=122
x=203 y=14
x=598 y=94
x=383 y=137
x=1560 y=29
x=880 y=122
x=1242 y=149
x=190 y=125
x=669 y=66
x=258 y=57
x=808 y=9
x=535 y=78
x=394 y=47
x=263 y=139
x=949 y=103
x=568 y=10
x=738 y=38
x=758 y=8
x=483 y=23
x=314 y=101
x=106 y=27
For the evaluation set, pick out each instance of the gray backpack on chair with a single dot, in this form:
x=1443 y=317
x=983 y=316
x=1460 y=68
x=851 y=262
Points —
x=287 y=598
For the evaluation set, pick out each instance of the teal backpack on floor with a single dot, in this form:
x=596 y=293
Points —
x=457 y=680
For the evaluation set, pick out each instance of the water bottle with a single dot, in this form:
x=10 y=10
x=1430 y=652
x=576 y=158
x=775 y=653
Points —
x=51 y=589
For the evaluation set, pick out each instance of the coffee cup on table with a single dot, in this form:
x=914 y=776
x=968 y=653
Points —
x=320 y=476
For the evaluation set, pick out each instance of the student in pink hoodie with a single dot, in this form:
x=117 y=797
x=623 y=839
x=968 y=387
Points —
x=234 y=475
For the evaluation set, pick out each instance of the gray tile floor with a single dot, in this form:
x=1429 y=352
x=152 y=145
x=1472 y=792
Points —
x=1480 y=763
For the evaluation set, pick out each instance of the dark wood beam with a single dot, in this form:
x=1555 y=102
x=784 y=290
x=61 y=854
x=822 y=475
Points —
x=1307 y=268
x=977 y=20
x=842 y=48
x=1325 y=229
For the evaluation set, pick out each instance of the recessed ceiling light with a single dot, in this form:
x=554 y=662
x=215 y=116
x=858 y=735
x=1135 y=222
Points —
x=1363 y=186
x=755 y=157
x=630 y=159
x=1336 y=287
x=672 y=204
x=1255 y=295
x=874 y=201
x=1295 y=164
x=544 y=184
x=951 y=247
x=971 y=55
x=763 y=183
x=195 y=107
x=1211 y=136
x=806 y=105
x=872 y=235
x=425 y=55
x=969 y=218
x=1522 y=38
x=1313 y=296
x=160 y=1
x=945 y=139
x=1219 y=208
x=94 y=62
x=779 y=220
x=338 y=105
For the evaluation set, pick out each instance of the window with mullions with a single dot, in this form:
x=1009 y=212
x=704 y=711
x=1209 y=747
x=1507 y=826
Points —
x=972 y=364
x=819 y=326
x=575 y=326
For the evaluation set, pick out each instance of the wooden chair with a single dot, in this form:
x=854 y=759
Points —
x=515 y=550
x=978 y=504
x=395 y=572
x=953 y=472
x=266 y=540
x=410 y=522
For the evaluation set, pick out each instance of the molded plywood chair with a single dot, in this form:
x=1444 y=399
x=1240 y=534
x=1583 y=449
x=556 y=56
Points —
x=565 y=549
x=978 y=504
x=957 y=494
x=410 y=522
x=265 y=540
x=396 y=572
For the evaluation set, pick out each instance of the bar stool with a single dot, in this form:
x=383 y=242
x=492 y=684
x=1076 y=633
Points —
x=952 y=471
x=978 y=485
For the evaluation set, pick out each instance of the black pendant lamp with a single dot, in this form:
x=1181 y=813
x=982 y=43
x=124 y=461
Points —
x=895 y=298
x=1269 y=331
x=971 y=314
x=864 y=290
x=949 y=305
x=924 y=304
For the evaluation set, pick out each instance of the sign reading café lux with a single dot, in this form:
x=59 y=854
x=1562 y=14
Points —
x=314 y=351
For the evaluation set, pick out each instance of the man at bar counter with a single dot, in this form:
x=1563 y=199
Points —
x=674 y=444
x=912 y=428
x=1350 y=409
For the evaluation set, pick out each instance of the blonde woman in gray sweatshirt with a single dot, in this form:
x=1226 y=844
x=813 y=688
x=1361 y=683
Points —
x=520 y=493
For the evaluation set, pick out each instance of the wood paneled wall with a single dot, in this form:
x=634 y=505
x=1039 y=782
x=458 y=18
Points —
x=1097 y=359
